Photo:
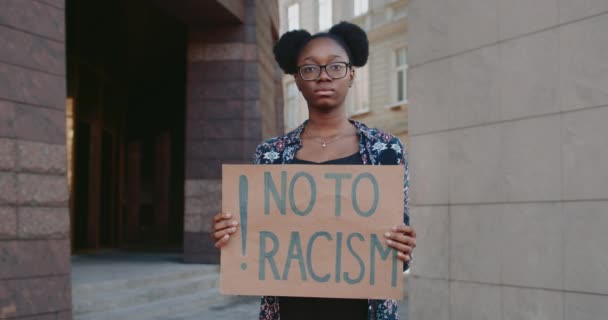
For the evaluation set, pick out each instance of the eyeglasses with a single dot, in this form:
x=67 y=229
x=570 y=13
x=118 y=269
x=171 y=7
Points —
x=335 y=70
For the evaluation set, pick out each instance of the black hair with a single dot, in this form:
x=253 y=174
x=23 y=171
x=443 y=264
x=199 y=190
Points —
x=349 y=36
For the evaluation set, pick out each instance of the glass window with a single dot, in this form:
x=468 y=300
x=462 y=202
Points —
x=293 y=16
x=400 y=77
x=400 y=55
x=401 y=85
x=361 y=7
x=325 y=14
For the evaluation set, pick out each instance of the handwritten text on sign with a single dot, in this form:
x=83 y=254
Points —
x=312 y=230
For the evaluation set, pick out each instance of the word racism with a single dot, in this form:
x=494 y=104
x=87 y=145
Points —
x=318 y=228
x=295 y=253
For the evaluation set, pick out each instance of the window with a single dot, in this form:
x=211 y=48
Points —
x=361 y=7
x=293 y=109
x=400 y=75
x=324 y=14
x=359 y=101
x=293 y=17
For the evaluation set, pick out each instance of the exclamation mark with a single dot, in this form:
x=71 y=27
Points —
x=243 y=197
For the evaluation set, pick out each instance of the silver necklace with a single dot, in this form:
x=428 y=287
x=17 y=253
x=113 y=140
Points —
x=324 y=142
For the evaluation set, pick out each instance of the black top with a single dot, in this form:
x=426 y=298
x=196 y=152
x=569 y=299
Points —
x=352 y=159
x=296 y=308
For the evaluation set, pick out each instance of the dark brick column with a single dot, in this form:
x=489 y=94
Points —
x=34 y=215
x=226 y=89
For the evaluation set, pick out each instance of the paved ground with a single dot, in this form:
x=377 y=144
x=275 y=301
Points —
x=121 y=265
x=245 y=309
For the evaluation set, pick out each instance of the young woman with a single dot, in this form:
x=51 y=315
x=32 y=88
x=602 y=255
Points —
x=323 y=68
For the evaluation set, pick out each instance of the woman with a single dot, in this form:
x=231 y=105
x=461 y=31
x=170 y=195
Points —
x=322 y=66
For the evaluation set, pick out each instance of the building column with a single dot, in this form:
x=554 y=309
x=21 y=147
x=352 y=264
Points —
x=34 y=214
x=225 y=89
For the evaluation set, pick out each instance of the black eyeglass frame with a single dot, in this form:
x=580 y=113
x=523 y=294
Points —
x=321 y=68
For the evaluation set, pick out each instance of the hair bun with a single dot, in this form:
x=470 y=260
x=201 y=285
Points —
x=356 y=40
x=287 y=48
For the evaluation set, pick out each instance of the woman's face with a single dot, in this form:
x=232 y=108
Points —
x=324 y=93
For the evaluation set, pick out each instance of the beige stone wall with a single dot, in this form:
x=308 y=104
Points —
x=508 y=105
x=386 y=25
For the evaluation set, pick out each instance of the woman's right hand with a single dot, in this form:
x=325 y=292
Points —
x=223 y=228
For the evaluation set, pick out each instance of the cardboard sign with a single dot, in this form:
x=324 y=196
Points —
x=312 y=231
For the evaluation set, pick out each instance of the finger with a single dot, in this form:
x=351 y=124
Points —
x=402 y=228
x=221 y=242
x=219 y=234
x=221 y=216
x=225 y=224
x=399 y=246
x=403 y=257
x=400 y=237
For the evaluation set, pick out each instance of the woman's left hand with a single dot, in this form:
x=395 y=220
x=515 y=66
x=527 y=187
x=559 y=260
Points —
x=403 y=239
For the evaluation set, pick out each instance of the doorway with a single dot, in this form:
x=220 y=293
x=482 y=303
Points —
x=126 y=74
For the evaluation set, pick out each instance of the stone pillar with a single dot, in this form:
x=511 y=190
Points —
x=230 y=77
x=34 y=214
x=508 y=110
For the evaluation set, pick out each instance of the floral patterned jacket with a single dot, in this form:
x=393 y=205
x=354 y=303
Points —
x=376 y=147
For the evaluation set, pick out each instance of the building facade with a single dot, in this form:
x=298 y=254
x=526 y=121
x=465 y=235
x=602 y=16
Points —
x=378 y=96
x=508 y=106
x=115 y=119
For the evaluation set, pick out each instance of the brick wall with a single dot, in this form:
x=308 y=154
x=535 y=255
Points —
x=34 y=214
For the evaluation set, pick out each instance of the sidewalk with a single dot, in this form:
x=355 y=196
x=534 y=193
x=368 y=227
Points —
x=119 y=285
